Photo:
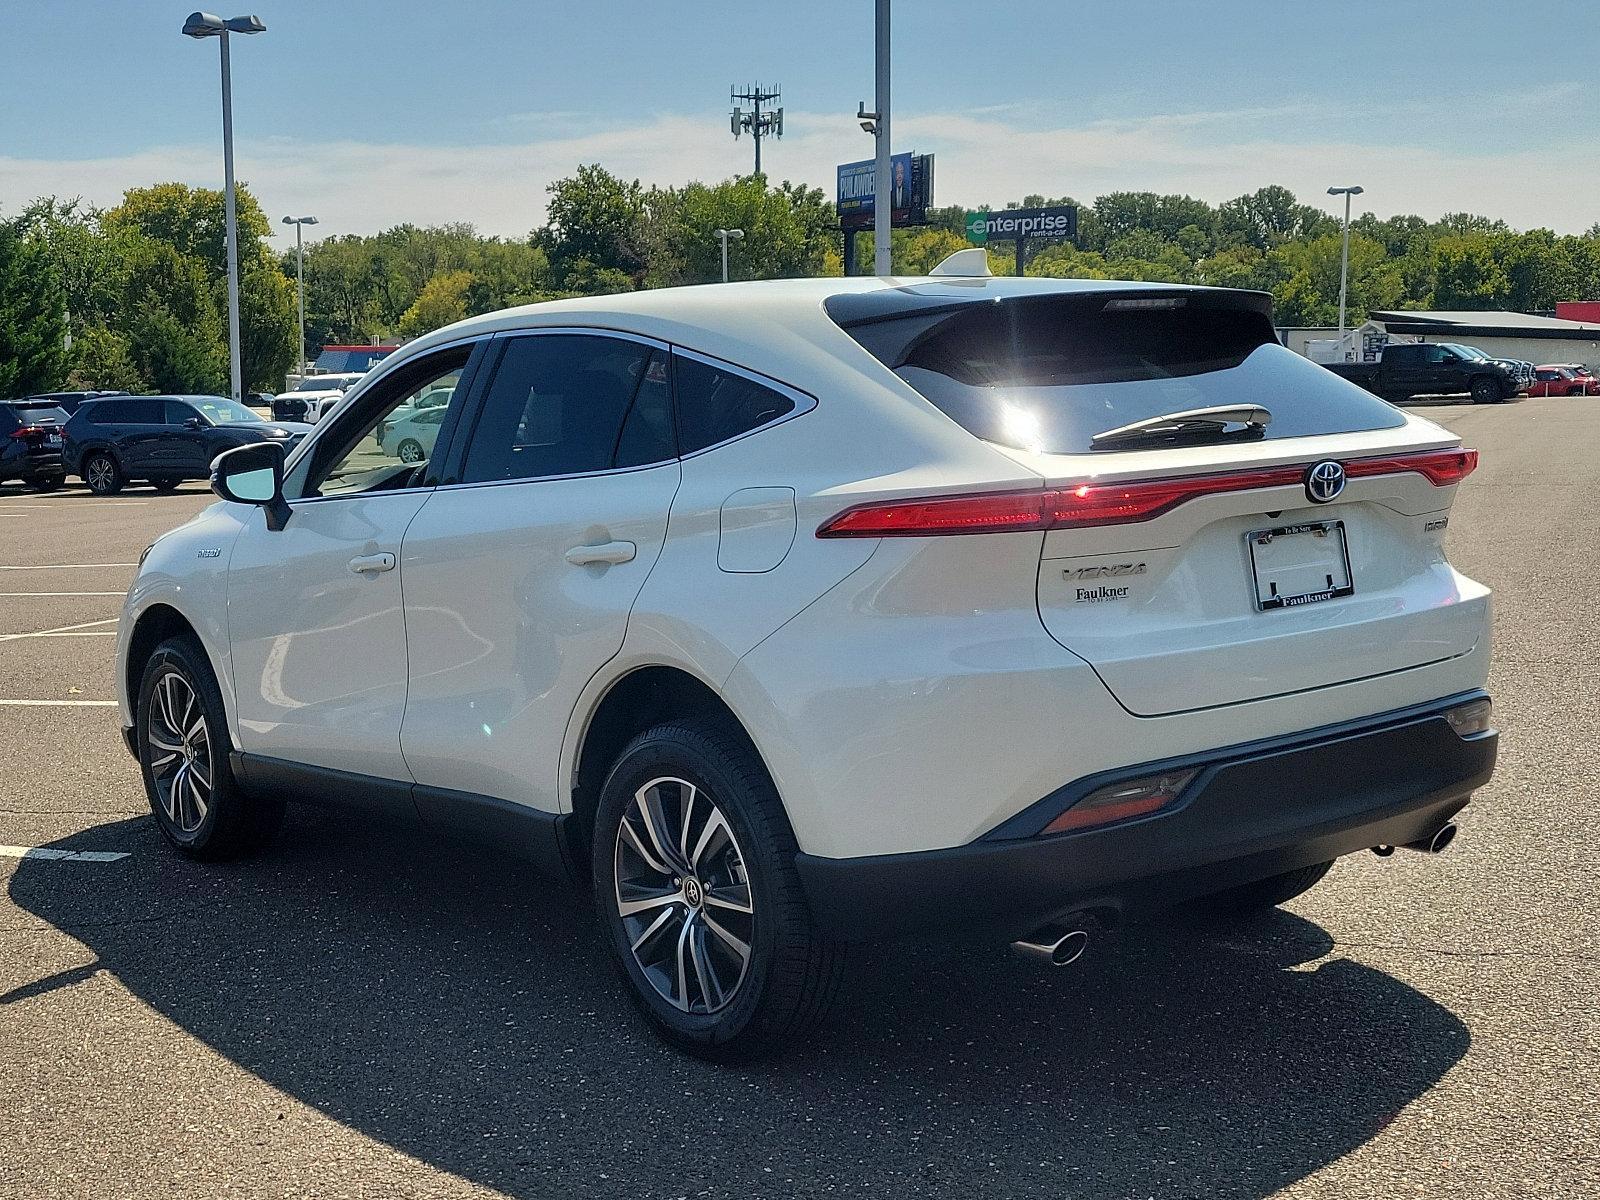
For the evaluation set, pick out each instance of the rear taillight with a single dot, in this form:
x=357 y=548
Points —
x=28 y=431
x=1439 y=467
x=1092 y=504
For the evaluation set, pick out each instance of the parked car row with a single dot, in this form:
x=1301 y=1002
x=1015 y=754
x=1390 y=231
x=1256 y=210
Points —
x=110 y=439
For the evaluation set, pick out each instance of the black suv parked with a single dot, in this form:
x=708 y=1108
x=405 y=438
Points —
x=30 y=444
x=164 y=439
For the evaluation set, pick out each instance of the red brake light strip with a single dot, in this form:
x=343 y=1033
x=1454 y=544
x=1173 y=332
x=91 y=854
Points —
x=1092 y=504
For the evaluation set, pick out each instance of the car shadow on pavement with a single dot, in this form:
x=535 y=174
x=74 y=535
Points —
x=455 y=1006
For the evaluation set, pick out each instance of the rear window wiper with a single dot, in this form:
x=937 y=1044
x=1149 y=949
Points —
x=1225 y=420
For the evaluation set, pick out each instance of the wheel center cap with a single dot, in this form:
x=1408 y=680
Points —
x=692 y=893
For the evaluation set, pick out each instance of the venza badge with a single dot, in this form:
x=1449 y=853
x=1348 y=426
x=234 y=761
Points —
x=1324 y=481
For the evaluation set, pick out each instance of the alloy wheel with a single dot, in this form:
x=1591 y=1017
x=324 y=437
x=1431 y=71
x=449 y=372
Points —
x=101 y=473
x=684 y=895
x=410 y=451
x=180 y=752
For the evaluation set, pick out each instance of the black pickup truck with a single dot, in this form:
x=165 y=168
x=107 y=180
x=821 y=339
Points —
x=1434 y=369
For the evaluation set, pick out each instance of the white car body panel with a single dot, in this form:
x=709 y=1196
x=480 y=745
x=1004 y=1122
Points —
x=497 y=665
x=319 y=651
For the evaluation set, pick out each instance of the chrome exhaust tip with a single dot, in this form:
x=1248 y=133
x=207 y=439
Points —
x=1438 y=843
x=1059 y=948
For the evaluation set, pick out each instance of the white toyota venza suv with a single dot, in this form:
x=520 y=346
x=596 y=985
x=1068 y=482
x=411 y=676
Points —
x=791 y=614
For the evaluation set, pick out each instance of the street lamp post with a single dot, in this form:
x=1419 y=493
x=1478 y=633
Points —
x=300 y=280
x=723 y=235
x=1344 y=254
x=205 y=25
x=881 y=214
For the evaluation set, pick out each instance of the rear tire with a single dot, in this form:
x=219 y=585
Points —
x=1486 y=391
x=1267 y=893
x=165 y=485
x=410 y=451
x=103 y=473
x=181 y=731
x=44 y=483
x=677 y=949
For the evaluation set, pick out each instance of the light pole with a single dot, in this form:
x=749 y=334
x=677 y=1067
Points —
x=300 y=280
x=881 y=216
x=1344 y=254
x=204 y=25
x=723 y=235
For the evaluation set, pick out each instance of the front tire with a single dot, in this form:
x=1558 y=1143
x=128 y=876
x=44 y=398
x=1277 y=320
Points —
x=694 y=880
x=44 y=483
x=1486 y=391
x=103 y=474
x=181 y=729
x=165 y=486
x=1267 y=893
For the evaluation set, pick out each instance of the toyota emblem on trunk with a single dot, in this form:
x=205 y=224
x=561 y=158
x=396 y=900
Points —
x=1324 y=481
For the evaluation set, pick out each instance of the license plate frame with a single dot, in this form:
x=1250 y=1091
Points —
x=1269 y=571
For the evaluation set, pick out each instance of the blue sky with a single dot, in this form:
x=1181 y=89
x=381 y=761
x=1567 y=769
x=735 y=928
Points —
x=370 y=112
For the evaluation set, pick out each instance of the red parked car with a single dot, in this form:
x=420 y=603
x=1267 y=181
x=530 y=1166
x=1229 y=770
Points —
x=1564 y=379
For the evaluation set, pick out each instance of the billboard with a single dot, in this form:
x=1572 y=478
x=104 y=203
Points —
x=910 y=190
x=1057 y=224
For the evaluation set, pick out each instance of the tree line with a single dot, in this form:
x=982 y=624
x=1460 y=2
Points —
x=134 y=296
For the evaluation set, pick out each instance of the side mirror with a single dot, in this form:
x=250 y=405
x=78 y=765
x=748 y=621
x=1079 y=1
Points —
x=192 y=423
x=253 y=474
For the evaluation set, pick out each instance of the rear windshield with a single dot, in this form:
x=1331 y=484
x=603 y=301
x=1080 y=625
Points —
x=40 y=414
x=1048 y=373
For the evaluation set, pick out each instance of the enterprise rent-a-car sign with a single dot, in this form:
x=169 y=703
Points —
x=1050 y=224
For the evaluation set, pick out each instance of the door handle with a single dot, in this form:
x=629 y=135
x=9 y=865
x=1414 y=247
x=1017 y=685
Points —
x=371 y=564
x=605 y=552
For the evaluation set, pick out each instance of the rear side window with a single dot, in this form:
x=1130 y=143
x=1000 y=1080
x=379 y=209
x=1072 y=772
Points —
x=715 y=404
x=571 y=404
x=139 y=411
x=1050 y=372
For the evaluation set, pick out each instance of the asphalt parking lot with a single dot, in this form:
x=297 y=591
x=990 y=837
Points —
x=363 y=1012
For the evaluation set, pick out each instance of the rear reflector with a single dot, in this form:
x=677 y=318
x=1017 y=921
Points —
x=1091 y=504
x=1122 y=801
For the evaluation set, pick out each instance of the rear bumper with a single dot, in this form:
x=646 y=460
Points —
x=1252 y=811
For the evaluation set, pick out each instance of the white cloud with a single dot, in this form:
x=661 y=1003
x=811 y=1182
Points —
x=984 y=157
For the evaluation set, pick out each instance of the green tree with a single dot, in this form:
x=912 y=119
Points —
x=594 y=222
x=787 y=231
x=174 y=357
x=1466 y=275
x=193 y=222
x=33 y=322
x=443 y=300
x=102 y=359
x=267 y=346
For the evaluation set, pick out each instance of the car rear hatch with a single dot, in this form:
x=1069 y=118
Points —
x=39 y=430
x=1212 y=563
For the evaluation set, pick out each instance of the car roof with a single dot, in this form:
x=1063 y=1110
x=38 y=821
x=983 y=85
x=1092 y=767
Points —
x=777 y=326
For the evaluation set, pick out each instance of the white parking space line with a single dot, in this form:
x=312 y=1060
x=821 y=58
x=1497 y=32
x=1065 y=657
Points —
x=59 y=703
x=70 y=567
x=62 y=855
x=59 y=629
x=15 y=595
x=89 y=504
x=84 y=633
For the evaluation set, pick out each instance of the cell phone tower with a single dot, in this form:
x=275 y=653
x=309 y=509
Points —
x=756 y=123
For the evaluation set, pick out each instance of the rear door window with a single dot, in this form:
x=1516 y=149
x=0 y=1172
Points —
x=1048 y=373
x=140 y=411
x=571 y=404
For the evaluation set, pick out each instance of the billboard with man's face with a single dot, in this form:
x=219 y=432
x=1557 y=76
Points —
x=910 y=190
